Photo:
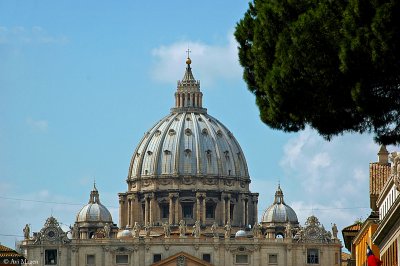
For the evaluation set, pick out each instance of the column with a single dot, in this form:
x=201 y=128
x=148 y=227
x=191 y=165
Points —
x=133 y=209
x=246 y=206
x=181 y=101
x=128 y=217
x=228 y=215
x=198 y=208
x=223 y=211
x=146 y=209
x=121 y=213
x=255 y=205
x=176 y=210
x=152 y=209
x=171 y=210
x=244 y=211
x=204 y=210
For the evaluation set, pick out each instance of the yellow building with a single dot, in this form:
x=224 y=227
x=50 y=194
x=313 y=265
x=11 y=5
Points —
x=363 y=237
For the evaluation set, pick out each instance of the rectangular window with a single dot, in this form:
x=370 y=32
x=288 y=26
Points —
x=156 y=257
x=187 y=210
x=90 y=260
x=50 y=257
x=164 y=209
x=273 y=258
x=207 y=257
x=336 y=258
x=210 y=211
x=242 y=258
x=121 y=259
x=312 y=256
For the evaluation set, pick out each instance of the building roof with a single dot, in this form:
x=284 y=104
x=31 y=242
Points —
x=6 y=252
x=94 y=211
x=188 y=141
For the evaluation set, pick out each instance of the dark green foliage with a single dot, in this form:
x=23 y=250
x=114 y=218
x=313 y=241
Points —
x=330 y=64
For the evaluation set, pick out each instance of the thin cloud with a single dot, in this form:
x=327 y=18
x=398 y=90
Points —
x=213 y=62
x=34 y=35
x=333 y=175
x=38 y=125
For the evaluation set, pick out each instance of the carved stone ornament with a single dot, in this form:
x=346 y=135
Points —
x=188 y=180
x=147 y=182
x=210 y=181
x=181 y=261
x=313 y=232
x=229 y=182
x=164 y=181
x=51 y=232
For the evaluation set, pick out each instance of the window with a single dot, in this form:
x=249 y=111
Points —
x=121 y=259
x=90 y=260
x=187 y=210
x=210 y=211
x=336 y=258
x=50 y=257
x=164 y=209
x=242 y=258
x=312 y=256
x=156 y=257
x=273 y=258
x=207 y=257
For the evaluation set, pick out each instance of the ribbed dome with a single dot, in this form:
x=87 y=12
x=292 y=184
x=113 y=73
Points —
x=279 y=212
x=188 y=142
x=94 y=211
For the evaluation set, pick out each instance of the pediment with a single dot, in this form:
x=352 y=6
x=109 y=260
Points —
x=182 y=259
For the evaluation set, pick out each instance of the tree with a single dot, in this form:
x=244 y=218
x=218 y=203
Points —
x=331 y=64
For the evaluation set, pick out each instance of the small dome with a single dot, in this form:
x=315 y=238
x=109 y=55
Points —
x=124 y=234
x=94 y=211
x=241 y=233
x=279 y=212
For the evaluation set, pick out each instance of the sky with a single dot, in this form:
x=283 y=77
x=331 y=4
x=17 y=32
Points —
x=82 y=81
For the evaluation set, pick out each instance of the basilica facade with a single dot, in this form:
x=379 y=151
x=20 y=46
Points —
x=187 y=203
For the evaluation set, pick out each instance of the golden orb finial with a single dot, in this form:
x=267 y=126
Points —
x=188 y=60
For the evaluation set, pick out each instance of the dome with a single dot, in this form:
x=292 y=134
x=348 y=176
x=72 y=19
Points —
x=279 y=212
x=241 y=233
x=188 y=141
x=94 y=211
x=124 y=234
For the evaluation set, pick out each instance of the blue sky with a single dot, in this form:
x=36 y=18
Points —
x=82 y=81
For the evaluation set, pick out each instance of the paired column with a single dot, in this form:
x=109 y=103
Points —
x=226 y=211
x=146 y=209
x=255 y=205
x=173 y=208
x=121 y=212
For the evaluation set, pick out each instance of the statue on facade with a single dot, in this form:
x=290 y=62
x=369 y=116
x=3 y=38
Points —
x=256 y=230
x=334 y=231
x=107 y=230
x=289 y=232
x=214 y=229
x=167 y=229
x=26 y=231
x=75 y=231
x=147 y=229
x=182 y=228
x=196 y=229
x=228 y=229
x=136 y=229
